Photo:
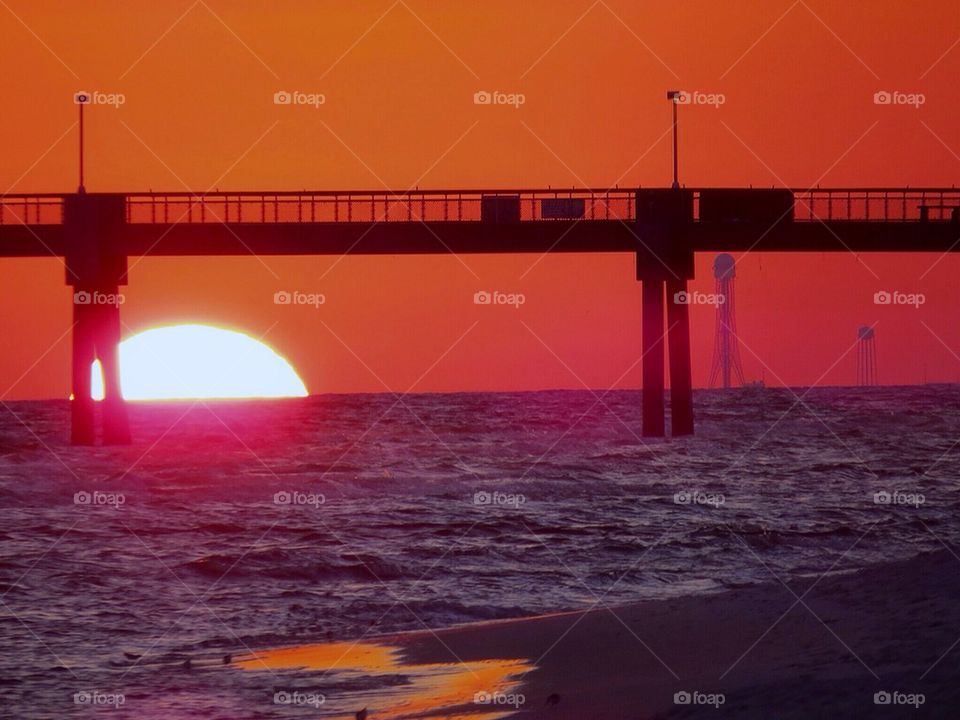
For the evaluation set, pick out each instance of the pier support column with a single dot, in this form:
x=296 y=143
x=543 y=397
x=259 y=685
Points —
x=665 y=263
x=116 y=425
x=653 y=418
x=96 y=336
x=96 y=268
x=82 y=422
x=678 y=337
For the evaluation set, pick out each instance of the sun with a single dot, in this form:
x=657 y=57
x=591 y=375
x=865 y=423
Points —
x=199 y=361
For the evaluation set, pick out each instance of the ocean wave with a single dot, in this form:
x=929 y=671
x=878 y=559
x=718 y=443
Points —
x=294 y=565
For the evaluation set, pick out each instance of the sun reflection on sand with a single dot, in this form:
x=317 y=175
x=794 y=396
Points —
x=433 y=690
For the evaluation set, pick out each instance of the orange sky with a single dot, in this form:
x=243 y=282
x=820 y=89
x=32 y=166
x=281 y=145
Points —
x=399 y=78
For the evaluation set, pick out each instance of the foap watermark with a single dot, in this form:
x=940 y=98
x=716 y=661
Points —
x=98 y=698
x=295 y=97
x=698 y=497
x=97 y=498
x=483 y=97
x=498 y=499
x=895 y=697
x=82 y=97
x=294 y=497
x=895 y=97
x=898 y=497
x=698 y=298
x=895 y=297
x=696 y=97
x=695 y=697
x=295 y=297
x=514 y=700
x=95 y=297
x=296 y=697
x=495 y=297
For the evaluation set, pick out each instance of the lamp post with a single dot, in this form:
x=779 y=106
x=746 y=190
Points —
x=81 y=98
x=675 y=96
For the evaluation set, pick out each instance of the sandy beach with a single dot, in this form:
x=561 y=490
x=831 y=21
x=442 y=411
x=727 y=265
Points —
x=799 y=649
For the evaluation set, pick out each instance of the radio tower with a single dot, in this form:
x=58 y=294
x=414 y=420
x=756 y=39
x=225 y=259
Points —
x=866 y=356
x=726 y=348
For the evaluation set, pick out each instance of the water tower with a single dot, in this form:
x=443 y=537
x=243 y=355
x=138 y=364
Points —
x=866 y=356
x=726 y=348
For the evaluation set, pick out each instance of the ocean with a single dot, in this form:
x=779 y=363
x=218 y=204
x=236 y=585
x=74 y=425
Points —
x=236 y=526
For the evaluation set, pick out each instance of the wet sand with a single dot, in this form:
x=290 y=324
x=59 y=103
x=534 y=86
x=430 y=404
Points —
x=845 y=639
x=818 y=649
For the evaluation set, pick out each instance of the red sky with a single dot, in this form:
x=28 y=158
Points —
x=198 y=78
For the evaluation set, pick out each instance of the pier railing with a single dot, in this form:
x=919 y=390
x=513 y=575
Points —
x=379 y=206
x=40 y=209
x=877 y=205
x=605 y=204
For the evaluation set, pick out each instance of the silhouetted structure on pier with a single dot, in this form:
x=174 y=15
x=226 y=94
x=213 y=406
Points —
x=661 y=227
x=866 y=356
x=726 y=346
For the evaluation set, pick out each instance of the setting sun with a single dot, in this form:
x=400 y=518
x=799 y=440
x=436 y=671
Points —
x=199 y=361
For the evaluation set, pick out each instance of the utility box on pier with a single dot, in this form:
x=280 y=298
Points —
x=737 y=205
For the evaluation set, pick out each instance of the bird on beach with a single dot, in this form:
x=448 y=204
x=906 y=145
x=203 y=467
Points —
x=227 y=659
x=362 y=714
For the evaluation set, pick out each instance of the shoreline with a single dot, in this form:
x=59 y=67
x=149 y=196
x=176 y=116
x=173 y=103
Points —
x=821 y=648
